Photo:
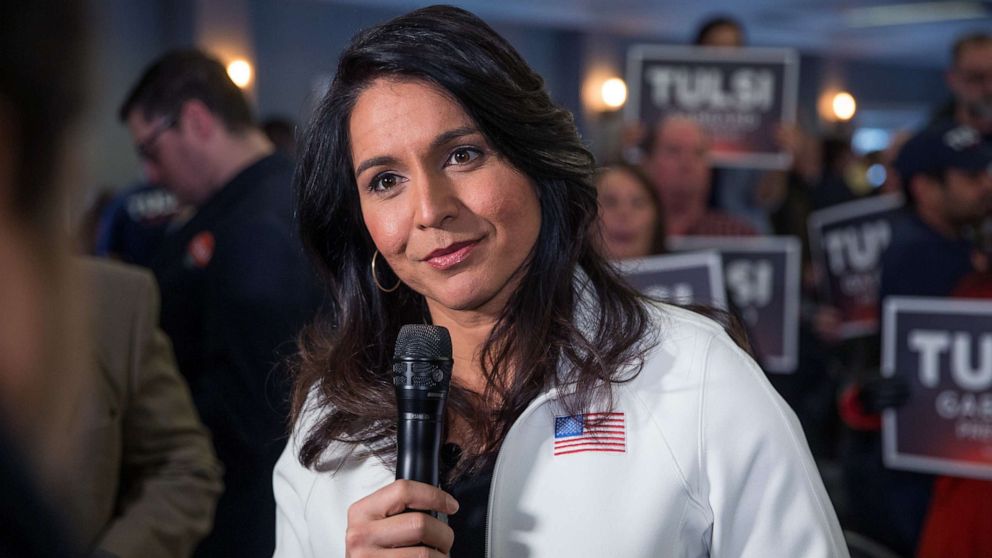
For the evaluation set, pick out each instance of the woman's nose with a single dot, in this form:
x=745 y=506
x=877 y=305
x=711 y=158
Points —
x=436 y=201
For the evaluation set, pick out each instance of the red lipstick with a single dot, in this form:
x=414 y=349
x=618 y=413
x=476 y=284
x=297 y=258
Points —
x=451 y=255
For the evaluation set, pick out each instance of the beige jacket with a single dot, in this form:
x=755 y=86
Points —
x=147 y=479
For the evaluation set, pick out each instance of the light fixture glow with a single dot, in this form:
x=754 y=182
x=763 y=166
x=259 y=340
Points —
x=240 y=71
x=614 y=93
x=843 y=105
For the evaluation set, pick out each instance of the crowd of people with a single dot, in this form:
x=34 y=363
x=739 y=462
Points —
x=227 y=389
x=938 y=249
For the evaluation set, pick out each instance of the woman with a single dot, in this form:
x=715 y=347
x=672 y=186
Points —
x=438 y=155
x=630 y=218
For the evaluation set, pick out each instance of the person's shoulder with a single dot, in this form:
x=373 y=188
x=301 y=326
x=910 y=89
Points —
x=666 y=313
x=685 y=339
x=115 y=285
x=106 y=271
x=122 y=305
x=677 y=323
x=697 y=357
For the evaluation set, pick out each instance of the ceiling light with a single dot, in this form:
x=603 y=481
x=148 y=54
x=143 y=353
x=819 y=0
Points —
x=907 y=14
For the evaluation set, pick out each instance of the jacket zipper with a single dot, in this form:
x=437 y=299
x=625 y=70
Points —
x=537 y=402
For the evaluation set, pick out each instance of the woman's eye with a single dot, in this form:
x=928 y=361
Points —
x=463 y=155
x=383 y=182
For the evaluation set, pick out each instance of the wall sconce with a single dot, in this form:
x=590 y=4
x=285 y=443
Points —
x=603 y=92
x=843 y=106
x=837 y=106
x=240 y=72
x=613 y=93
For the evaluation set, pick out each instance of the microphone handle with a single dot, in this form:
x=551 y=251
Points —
x=418 y=438
x=418 y=450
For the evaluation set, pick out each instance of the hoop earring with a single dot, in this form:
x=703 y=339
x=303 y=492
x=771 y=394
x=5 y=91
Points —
x=375 y=278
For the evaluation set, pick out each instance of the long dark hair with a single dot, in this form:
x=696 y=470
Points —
x=344 y=363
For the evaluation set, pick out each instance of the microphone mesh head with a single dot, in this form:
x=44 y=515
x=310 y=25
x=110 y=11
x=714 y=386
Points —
x=423 y=342
x=422 y=358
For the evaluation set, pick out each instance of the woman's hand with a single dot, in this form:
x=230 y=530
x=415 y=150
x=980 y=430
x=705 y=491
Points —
x=379 y=525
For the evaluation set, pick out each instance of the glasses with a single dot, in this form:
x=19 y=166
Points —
x=146 y=149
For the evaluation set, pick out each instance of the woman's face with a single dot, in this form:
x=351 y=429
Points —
x=452 y=217
x=627 y=215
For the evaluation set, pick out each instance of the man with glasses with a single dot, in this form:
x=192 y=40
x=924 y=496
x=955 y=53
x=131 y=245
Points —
x=236 y=286
x=970 y=79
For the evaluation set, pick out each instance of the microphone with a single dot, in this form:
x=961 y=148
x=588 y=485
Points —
x=421 y=376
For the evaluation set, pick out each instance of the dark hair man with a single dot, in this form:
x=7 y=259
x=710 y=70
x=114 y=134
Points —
x=235 y=284
x=946 y=177
x=970 y=78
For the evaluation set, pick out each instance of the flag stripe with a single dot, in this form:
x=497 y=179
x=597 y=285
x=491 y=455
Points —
x=573 y=446
x=602 y=450
x=604 y=441
x=593 y=440
x=590 y=432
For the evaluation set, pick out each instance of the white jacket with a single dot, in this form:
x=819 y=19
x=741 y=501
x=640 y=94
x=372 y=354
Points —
x=711 y=462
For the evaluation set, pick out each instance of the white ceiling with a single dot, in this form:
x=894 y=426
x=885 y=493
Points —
x=913 y=32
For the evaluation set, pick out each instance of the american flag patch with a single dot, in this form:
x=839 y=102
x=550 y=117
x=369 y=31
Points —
x=601 y=432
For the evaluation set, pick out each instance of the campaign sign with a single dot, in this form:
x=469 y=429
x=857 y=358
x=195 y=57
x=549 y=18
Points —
x=846 y=243
x=762 y=279
x=943 y=348
x=740 y=96
x=679 y=278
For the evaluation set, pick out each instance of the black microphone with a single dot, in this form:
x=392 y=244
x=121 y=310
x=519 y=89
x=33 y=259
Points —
x=421 y=376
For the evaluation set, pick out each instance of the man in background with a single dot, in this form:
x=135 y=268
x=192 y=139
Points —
x=948 y=188
x=678 y=164
x=970 y=80
x=236 y=286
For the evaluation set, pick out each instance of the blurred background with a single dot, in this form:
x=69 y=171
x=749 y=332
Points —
x=890 y=56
